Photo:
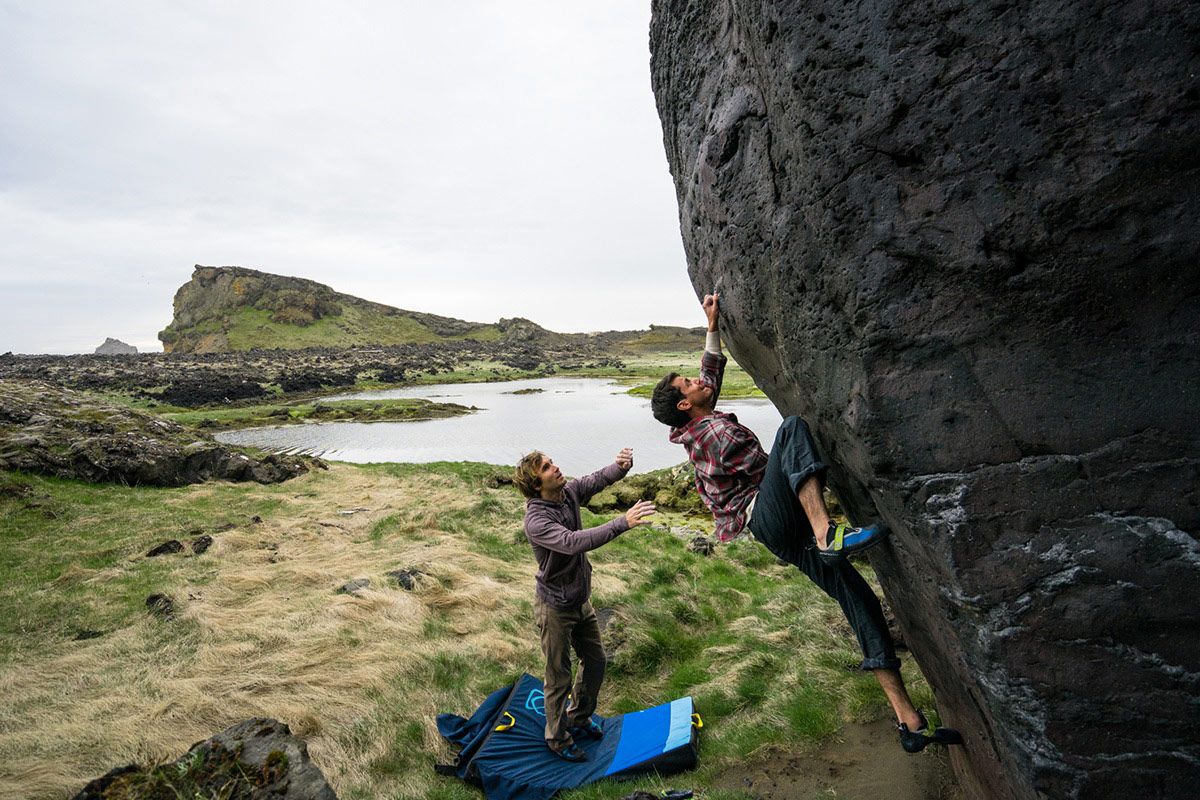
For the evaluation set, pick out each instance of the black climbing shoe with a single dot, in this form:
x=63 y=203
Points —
x=916 y=741
x=589 y=730
x=571 y=753
x=842 y=540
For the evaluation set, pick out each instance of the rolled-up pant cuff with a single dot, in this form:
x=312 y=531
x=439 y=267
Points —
x=881 y=663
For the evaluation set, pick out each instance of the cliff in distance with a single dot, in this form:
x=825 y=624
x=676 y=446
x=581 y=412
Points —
x=223 y=309
x=229 y=309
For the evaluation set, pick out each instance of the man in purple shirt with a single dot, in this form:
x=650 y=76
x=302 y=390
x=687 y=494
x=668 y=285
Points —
x=561 y=604
x=778 y=498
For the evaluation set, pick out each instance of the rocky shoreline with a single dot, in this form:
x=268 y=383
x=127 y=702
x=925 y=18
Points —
x=192 y=380
x=50 y=430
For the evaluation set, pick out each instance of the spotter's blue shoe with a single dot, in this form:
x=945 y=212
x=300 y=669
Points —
x=844 y=540
x=572 y=753
x=589 y=730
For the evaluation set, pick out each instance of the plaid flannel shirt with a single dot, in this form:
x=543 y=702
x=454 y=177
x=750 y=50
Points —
x=728 y=459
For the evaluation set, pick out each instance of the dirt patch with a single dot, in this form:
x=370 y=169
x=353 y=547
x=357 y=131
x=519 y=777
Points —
x=867 y=763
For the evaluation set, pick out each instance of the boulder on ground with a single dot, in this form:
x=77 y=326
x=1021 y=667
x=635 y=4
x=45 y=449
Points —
x=671 y=489
x=959 y=240
x=253 y=760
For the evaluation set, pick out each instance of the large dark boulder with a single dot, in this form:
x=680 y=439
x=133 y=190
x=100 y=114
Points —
x=960 y=239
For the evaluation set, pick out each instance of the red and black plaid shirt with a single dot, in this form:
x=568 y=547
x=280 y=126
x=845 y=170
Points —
x=728 y=459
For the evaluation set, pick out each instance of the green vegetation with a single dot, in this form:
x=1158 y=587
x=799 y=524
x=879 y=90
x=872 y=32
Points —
x=245 y=328
x=640 y=372
x=737 y=382
x=57 y=536
x=664 y=338
x=260 y=630
x=250 y=327
x=394 y=409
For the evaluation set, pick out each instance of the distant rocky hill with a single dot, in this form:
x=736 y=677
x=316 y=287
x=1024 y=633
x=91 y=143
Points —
x=228 y=309
x=115 y=347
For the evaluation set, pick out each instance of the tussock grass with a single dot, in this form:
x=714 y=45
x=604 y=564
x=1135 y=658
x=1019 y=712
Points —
x=259 y=629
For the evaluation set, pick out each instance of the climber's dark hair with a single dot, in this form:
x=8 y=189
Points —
x=664 y=403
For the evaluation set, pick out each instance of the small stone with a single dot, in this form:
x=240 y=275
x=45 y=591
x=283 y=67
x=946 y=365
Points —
x=201 y=543
x=87 y=634
x=354 y=586
x=685 y=532
x=161 y=606
x=166 y=548
x=406 y=578
x=701 y=545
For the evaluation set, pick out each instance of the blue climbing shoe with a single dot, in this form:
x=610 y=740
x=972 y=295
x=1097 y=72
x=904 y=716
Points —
x=572 y=753
x=842 y=541
x=589 y=730
x=916 y=741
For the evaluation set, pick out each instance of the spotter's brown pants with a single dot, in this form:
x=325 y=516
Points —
x=564 y=630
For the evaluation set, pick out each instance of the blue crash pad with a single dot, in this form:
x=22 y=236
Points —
x=504 y=744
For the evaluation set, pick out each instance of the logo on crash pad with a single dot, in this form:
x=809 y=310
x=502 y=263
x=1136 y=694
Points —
x=536 y=702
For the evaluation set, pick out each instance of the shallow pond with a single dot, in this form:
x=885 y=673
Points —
x=579 y=422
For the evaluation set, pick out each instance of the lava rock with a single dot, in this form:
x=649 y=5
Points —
x=354 y=586
x=406 y=578
x=958 y=239
x=258 y=758
x=166 y=548
x=51 y=430
x=701 y=545
x=201 y=543
x=161 y=606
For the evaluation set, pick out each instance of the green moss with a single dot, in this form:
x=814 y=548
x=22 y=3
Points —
x=385 y=410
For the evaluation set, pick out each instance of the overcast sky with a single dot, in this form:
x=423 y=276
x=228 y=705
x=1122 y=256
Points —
x=473 y=159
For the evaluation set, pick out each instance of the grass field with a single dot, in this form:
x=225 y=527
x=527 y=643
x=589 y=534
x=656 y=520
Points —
x=259 y=629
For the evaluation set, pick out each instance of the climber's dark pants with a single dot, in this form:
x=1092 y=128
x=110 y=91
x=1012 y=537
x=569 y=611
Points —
x=779 y=522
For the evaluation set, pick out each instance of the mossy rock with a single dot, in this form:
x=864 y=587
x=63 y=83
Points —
x=671 y=489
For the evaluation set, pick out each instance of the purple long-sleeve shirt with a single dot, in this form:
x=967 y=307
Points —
x=564 y=576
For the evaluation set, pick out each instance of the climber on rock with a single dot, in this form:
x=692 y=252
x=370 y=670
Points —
x=779 y=499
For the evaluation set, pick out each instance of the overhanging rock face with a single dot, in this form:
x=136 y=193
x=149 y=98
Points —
x=961 y=240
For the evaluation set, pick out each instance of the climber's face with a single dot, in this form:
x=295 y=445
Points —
x=696 y=395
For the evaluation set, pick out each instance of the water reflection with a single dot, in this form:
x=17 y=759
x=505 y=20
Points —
x=581 y=422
